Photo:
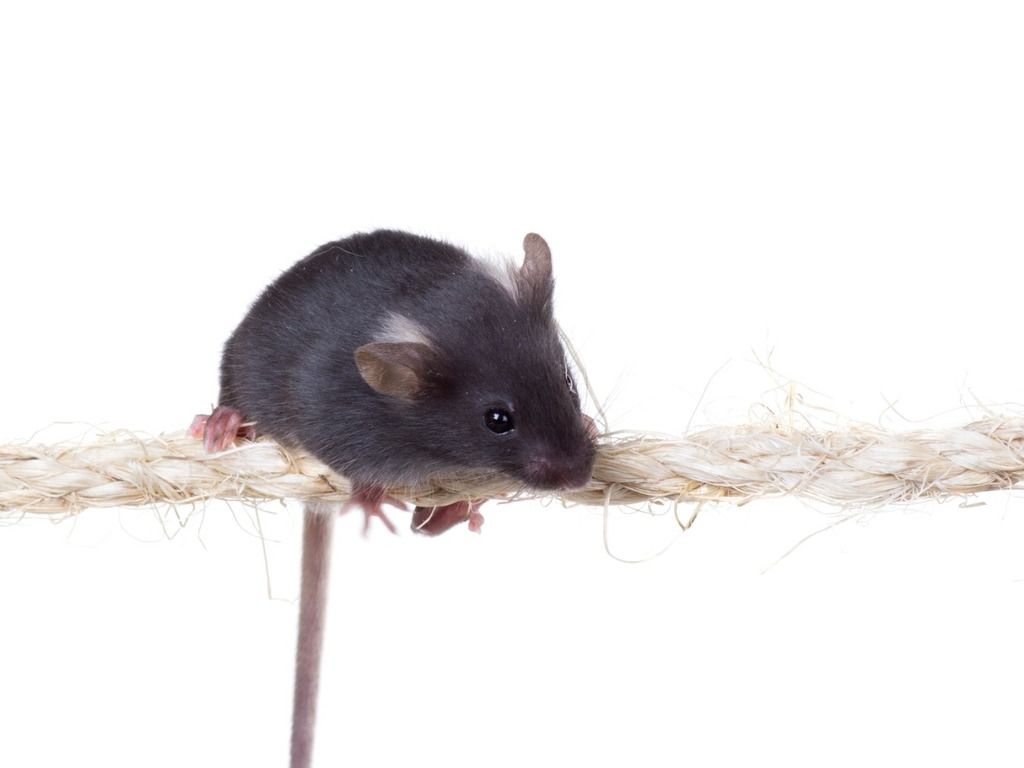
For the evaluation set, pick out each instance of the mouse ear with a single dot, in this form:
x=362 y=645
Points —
x=537 y=262
x=395 y=369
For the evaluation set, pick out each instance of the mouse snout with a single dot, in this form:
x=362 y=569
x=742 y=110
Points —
x=549 y=473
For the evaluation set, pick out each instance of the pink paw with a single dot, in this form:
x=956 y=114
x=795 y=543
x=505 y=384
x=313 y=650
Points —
x=221 y=428
x=371 y=499
x=433 y=521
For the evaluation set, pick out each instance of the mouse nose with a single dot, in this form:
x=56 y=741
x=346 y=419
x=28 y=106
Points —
x=548 y=473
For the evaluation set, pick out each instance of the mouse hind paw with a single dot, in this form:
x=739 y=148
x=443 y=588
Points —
x=371 y=500
x=432 y=521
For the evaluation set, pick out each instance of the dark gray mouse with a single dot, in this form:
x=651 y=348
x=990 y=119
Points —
x=393 y=358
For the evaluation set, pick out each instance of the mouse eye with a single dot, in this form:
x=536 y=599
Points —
x=570 y=382
x=498 y=420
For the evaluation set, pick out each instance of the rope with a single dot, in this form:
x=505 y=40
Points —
x=853 y=467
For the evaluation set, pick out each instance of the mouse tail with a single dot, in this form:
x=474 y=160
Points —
x=318 y=525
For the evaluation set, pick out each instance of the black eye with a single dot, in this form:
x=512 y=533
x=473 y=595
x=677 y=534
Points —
x=498 y=420
x=570 y=383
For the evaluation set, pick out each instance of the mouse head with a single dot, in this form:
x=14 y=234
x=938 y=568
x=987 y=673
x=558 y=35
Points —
x=481 y=378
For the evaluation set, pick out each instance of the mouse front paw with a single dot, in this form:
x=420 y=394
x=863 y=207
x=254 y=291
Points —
x=221 y=428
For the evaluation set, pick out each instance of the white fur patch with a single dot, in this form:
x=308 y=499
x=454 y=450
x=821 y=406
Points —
x=501 y=271
x=401 y=329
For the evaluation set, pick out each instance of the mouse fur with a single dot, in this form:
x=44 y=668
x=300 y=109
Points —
x=382 y=354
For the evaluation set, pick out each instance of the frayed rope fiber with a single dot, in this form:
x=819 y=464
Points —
x=858 y=466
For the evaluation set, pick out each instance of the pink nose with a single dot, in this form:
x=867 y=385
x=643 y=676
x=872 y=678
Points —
x=548 y=474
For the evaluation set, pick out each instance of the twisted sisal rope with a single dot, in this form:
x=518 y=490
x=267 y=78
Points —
x=858 y=466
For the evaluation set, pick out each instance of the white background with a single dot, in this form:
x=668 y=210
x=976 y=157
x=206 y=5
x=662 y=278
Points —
x=737 y=196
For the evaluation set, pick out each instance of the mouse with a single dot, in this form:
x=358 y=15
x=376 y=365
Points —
x=394 y=358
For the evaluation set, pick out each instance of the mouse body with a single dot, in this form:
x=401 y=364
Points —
x=394 y=358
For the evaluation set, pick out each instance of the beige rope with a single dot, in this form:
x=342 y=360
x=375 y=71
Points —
x=858 y=466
